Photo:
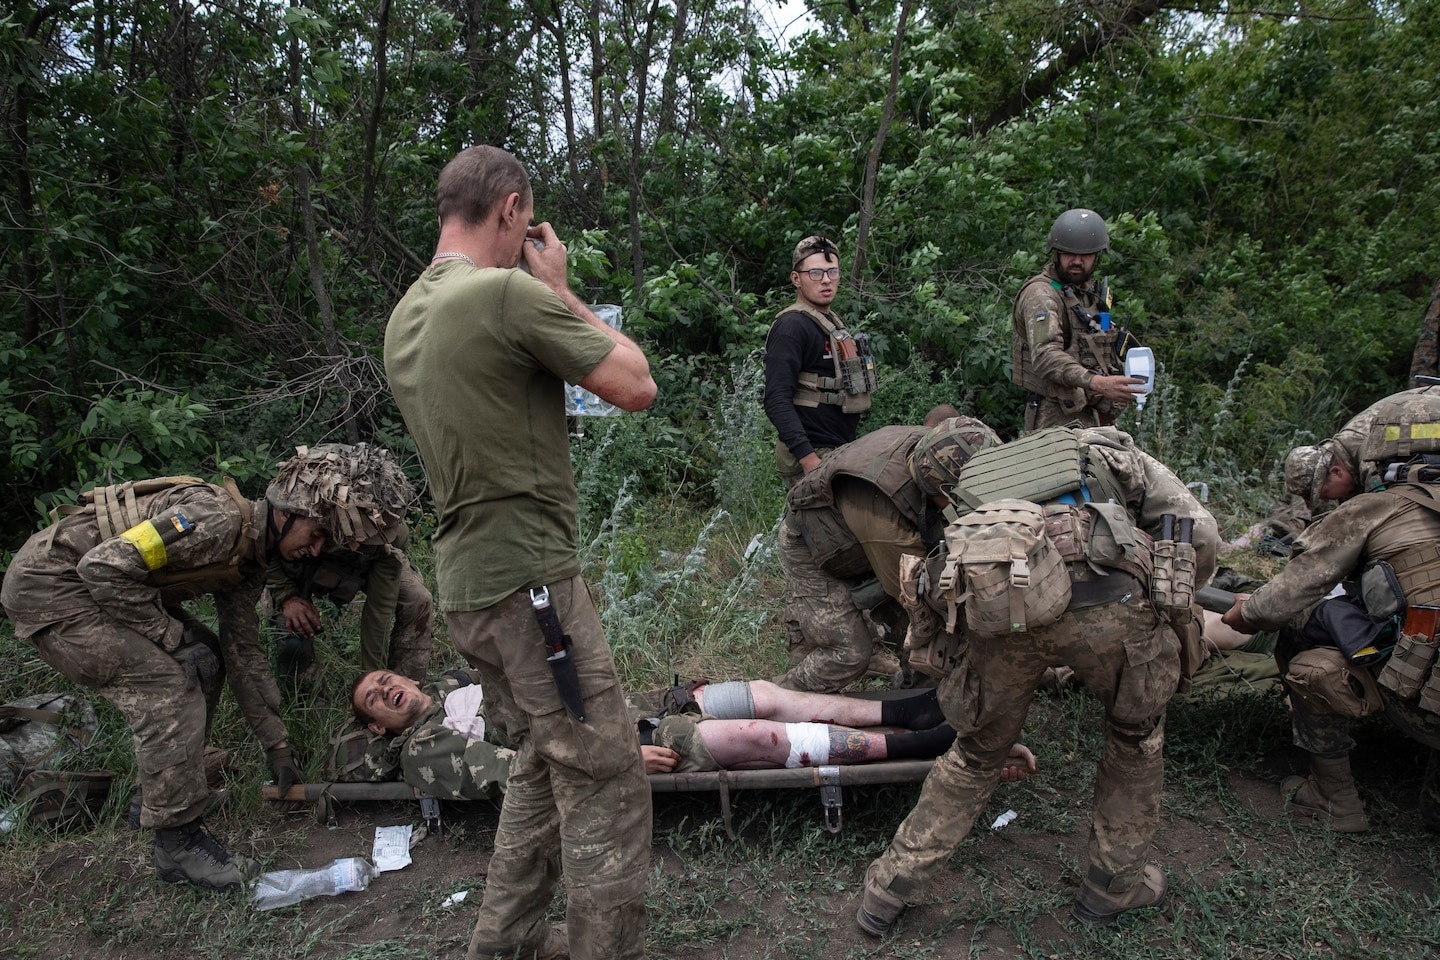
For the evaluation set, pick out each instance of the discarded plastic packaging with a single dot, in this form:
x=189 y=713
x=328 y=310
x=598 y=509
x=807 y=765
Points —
x=1005 y=818
x=455 y=899
x=392 y=848
x=281 y=888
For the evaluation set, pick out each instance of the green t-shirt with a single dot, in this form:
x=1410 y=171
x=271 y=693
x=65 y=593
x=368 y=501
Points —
x=478 y=360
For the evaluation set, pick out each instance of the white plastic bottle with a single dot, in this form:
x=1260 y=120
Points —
x=1140 y=362
x=281 y=888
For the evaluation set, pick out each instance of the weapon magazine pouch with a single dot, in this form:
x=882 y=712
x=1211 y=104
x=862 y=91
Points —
x=1172 y=584
x=1408 y=667
x=1015 y=579
x=1430 y=693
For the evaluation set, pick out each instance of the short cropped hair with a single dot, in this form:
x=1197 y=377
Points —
x=475 y=181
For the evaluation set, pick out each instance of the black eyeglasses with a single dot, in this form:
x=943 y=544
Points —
x=823 y=273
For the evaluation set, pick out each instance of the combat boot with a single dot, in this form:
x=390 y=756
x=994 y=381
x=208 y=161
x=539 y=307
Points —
x=879 y=908
x=188 y=854
x=1097 y=906
x=1328 y=794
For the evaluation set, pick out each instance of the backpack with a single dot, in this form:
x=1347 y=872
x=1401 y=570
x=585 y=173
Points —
x=1004 y=568
x=358 y=756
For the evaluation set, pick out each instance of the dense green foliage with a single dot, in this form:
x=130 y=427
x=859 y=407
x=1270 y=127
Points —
x=209 y=210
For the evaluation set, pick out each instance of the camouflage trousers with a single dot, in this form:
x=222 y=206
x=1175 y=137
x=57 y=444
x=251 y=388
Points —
x=166 y=709
x=408 y=651
x=1129 y=660
x=1328 y=734
x=1050 y=412
x=830 y=642
x=577 y=803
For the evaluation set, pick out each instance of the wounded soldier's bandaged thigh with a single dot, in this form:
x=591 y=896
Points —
x=730 y=700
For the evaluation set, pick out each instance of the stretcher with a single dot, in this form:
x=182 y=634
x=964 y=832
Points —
x=828 y=779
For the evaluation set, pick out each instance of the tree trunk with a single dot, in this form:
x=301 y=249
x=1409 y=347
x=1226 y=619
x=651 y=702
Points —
x=872 y=161
x=1425 y=362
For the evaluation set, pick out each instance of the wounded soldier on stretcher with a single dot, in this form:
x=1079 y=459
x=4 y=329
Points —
x=434 y=736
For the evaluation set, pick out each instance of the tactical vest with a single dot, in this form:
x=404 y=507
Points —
x=1093 y=348
x=880 y=458
x=1054 y=504
x=121 y=506
x=854 y=379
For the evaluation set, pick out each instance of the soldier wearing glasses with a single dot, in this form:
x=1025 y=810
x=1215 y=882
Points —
x=818 y=378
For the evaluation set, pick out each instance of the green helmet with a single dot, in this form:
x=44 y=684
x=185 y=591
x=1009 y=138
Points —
x=357 y=492
x=1078 y=231
x=937 y=459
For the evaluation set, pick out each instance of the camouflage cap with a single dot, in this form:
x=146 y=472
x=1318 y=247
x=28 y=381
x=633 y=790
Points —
x=1305 y=471
x=809 y=247
x=936 y=461
x=357 y=491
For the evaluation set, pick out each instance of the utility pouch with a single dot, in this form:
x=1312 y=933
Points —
x=1172 y=584
x=1405 y=672
x=1320 y=677
x=1430 y=693
x=1014 y=578
x=929 y=647
x=1381 y=592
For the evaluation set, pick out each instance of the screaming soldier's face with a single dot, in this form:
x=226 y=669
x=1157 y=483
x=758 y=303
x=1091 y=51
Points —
x=391 y=701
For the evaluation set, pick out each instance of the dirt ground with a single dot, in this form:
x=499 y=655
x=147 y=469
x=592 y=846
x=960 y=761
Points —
x=1015 y=884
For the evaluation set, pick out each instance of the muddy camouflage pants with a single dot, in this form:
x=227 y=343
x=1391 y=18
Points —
x=577 y=803
x=165 y=708
x=1128 y=660
x=830 y=642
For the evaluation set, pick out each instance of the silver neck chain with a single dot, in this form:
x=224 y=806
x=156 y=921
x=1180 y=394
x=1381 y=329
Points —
x=451 y=255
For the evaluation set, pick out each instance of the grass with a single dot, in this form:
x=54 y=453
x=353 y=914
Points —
x=680 y=595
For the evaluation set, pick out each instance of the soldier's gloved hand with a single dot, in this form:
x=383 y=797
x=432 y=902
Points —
x=283 y=768
x=201 y=665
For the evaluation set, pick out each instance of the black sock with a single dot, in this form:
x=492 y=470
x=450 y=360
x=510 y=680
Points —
x=918 y=712
x=919 y=744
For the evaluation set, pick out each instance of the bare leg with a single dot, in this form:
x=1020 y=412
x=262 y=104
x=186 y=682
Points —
x=773 y=702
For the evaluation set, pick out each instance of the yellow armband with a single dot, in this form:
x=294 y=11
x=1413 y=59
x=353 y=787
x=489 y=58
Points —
x=149 y=539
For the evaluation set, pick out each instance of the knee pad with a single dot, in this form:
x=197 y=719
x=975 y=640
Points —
x=730 y=700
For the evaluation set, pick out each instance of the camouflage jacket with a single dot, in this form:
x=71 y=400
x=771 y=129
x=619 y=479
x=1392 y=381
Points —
x=377 y=570
x=439 y=761
x=1339 y=547
x=69 y=570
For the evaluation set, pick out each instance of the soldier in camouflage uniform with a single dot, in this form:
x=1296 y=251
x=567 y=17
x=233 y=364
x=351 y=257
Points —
x=1119 y=645
x=1374 y=542
x=1063 y=345
x=99 y=594
x=1334 y=468
x=398 y=617
x=850 y=519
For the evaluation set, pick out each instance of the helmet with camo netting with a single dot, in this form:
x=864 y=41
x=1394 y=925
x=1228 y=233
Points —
x=1078 y=231
x=357 y=491
x=936 y=461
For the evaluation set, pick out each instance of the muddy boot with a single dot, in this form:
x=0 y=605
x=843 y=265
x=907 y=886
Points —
x=554 y=945
x=189 y=854
x=1097 y=906
x=1328 y=795
x=879 y=908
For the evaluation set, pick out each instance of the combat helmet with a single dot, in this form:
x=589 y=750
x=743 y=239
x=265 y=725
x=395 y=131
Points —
x=1403 y=439
x=1078 y=231
x=357 y=491
x=936 y=461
